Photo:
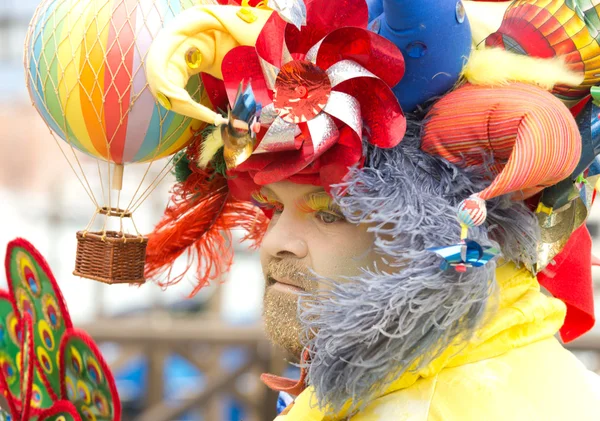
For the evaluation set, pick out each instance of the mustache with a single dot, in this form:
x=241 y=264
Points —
x=290 y=272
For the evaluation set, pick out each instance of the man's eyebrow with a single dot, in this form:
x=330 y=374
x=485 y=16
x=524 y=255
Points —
x=317 y=200
x=316 y=193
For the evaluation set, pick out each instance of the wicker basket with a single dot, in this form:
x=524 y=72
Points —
x=113 y=260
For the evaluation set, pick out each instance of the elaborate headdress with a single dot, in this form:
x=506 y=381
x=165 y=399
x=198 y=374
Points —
x=299 y=95
x=307 y=93
x=452 y=154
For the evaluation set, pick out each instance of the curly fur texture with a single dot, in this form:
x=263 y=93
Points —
x=367 y=332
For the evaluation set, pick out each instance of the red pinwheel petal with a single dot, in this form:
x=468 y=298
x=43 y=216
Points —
x=255 y=162
x=301 y=178
x=250 y=72
x=241 y=185
x=336 y=162
x=215 y=88
x=258 y=162
x=375 y=53
x=382 y=115
x=285 y=164
x=322 y=17
x=270 y=42
x=251 y=3
x=348 y=151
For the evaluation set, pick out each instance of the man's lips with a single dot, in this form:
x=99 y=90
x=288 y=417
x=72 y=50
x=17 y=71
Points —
x=285 y=284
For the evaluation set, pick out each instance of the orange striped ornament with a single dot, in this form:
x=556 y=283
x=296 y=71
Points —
x=527 y=137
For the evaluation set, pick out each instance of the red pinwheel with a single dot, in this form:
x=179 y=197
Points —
x=323 y=89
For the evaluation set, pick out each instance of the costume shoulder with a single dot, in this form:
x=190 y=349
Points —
x=541 y=381
x=411 y=404
x=538 y=381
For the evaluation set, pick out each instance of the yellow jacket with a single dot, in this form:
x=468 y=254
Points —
x=514 y=370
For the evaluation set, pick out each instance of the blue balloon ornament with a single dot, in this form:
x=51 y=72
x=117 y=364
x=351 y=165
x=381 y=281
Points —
x=435 y=39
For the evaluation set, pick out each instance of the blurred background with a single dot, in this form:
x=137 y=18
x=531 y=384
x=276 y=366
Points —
x=174 y=358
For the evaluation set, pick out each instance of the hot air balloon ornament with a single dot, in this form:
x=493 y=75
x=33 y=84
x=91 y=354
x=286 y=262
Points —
x=85 y=72
x=549 y=28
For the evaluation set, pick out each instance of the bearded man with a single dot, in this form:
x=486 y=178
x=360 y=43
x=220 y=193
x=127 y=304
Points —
x=410 y=204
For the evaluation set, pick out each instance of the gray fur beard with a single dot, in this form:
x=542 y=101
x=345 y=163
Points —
x=365 y=333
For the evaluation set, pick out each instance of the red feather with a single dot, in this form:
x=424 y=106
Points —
x=198 y=221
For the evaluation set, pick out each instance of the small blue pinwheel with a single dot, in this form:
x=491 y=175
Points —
x=465 y=255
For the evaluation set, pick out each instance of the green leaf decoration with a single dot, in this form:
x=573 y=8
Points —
x=181 y=169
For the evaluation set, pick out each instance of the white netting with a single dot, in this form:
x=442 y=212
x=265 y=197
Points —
x=84 y=62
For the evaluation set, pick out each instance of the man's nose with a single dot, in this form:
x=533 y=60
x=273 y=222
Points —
x=287 y=236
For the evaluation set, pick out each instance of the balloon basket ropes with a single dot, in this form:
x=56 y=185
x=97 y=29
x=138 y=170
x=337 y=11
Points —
x=111 y=257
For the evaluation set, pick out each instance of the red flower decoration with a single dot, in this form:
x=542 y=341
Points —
x=323 y=88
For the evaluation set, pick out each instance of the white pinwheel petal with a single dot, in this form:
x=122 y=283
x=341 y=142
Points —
x=279 y=137
x=345 y=108
x=311 y=55
x=345 y=70
x=270 y=72
x=323 y=133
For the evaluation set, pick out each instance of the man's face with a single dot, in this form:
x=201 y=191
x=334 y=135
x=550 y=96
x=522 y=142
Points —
x=307 y=232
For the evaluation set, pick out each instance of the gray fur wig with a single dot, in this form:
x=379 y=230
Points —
x=367 y=332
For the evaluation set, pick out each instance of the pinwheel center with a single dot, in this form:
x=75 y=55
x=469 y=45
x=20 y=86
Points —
x=301 y=91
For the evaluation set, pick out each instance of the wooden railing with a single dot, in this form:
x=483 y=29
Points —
x=200 y=342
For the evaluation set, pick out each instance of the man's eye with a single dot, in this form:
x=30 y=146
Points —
x=276 y=207
x=272 y=206
x=329 y=218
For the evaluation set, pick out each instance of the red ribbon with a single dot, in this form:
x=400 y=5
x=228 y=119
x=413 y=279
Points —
x=283 y=384
x=569 y=279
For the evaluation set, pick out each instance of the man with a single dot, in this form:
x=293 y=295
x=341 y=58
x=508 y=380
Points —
x=363 y=151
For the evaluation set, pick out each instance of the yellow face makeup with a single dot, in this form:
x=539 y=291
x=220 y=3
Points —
x=318 y=202
x=264 y=198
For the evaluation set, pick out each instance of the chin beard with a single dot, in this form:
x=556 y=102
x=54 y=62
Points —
x=282 y=326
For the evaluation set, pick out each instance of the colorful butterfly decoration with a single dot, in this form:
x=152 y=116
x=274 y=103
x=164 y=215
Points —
x=49 y=371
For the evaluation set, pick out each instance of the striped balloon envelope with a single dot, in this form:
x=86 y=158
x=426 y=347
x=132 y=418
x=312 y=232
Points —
x=85 y=61
x=547 y=28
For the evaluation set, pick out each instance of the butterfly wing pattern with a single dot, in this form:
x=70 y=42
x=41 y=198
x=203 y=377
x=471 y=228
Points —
x=10 y=348
x=49 y=371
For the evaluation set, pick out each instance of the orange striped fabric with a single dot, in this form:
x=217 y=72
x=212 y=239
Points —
x=530 y=137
